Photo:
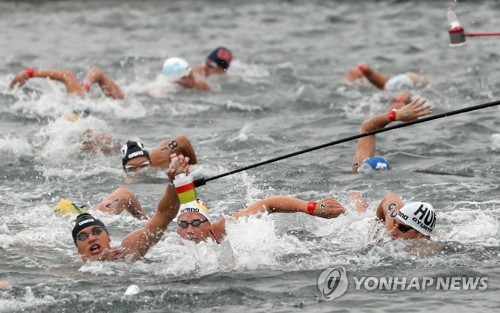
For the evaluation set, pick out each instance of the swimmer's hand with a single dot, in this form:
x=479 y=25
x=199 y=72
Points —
x=354 y=74
x=20 y=79
x=328 y=208
x=413 y=110
x=182 y=168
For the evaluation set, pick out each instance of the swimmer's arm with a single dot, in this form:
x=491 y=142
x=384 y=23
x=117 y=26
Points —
x=122 y=199
x=375 y=77
x=390 y=203
x=366 y=145
x=66 y=77
x=179 y=145
x=201 y=84
x=140 y=241
x=108 y=86
x=326 y=208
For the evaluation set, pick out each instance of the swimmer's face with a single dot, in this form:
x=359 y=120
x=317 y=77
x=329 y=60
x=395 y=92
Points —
x=191 y=232
x=136 y=164
x=95 y=244
x=403 y=231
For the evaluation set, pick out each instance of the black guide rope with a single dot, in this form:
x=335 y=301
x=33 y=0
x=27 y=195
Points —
x=202 y=181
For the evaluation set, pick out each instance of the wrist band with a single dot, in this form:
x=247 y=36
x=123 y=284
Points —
x=392 y=115
x=310 y=207
x=31 y=72
x=86 y=85
x=362 y=68
x=399 y=99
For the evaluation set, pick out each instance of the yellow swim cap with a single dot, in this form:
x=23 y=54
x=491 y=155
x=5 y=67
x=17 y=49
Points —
x=66 y=207
x=71 y=117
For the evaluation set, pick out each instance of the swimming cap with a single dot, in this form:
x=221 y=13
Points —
x=76 y=114
x=175 y=68
x=132 y=150
x=83 y=221
x=221 y=56
x=374 y=164
x=399 y=82
x=64 y=207
x=196 y=206
x=419 y=215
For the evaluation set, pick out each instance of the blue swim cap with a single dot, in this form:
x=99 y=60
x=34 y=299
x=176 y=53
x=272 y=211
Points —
x=175 y=68
x=374 y=164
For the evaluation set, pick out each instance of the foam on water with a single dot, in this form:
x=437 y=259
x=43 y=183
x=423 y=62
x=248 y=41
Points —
x=17 y=147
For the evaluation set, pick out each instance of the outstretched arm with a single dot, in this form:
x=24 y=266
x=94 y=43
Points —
x=66 y=77
x=366 y=145
x=326 y=208
x=140 y=241
x=108 y=86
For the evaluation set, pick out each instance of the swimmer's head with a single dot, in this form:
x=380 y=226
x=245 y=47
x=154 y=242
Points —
x=76 y=114
x=414 y=220
x=219 y=58
x=373 y=164
x=175 y=69
x=65 y=207
x=419 y=79
x=193 y=221
x=90 y=236
x=134 y=156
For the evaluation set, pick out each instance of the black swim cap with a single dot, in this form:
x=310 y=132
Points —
x=83 y=221
x=222 y=57
x=132 y=150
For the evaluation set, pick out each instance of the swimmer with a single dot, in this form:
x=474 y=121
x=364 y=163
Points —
x=365 y=160
x=415 y=220
x=408 y=80
x=135 y=157
x=217 y=63
x=94 y=75
x=94 y=141
x=121 y=199
x=178 y=71
x=99 y=141
x=92 y=239
x=193 y=221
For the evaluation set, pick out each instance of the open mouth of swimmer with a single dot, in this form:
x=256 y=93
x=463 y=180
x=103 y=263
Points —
x=95 y=248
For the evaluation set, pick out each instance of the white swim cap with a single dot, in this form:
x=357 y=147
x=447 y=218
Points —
x=196 y=206
x=419 y=215
x=175 y=68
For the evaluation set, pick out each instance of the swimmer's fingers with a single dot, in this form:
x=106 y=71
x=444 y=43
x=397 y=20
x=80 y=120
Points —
x=329 y=208
x=184 y=163
x=19 y=80
x=354 y=74
x=183 y=168
x=417 y=103
x=424 y=111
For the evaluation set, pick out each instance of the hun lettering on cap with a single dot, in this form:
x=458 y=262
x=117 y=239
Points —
x=425 y=215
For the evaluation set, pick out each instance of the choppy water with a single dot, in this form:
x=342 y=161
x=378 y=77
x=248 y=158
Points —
x=285 y=91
